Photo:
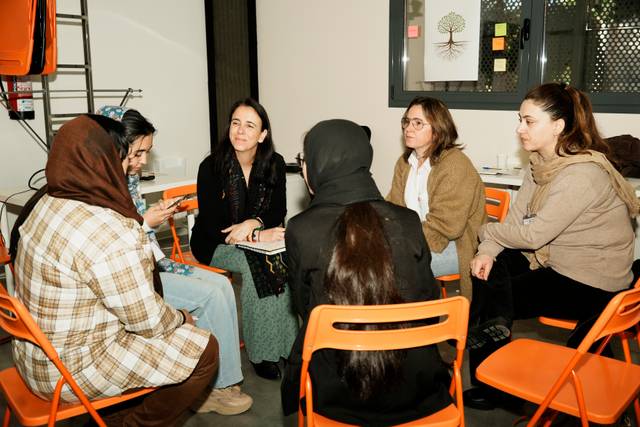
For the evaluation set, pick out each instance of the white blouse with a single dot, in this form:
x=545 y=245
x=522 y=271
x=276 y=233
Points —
x=416 y=197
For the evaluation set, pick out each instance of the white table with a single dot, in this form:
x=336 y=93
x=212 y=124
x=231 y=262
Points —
x=16 y=201
x=513 y=179
x=163 y=182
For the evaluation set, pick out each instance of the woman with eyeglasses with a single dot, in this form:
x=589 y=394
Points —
x=241 y=197
x=437 y=181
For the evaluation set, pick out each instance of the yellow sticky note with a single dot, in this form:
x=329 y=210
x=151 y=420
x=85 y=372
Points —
x=501 y=29
x=499 y=65
x=497 y=43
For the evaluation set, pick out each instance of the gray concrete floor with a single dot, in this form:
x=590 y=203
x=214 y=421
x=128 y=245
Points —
x=266 y=410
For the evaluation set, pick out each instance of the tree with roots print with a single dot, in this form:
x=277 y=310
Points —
x=449 y=24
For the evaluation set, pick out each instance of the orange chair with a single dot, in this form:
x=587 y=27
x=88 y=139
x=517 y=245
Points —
x=497 y=207
x=5 y=258
x=321 y=333
x=589 y=386
x=30 y=410
x=188 y=205
x=571 y=324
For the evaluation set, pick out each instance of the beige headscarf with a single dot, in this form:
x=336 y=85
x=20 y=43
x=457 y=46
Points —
x=544 y=173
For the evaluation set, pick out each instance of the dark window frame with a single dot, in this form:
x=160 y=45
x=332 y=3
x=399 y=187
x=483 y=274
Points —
x=530 y=66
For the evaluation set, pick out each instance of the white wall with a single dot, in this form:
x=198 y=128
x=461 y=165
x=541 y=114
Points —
x=158 y=46
x=329 y=59
x=317 y=60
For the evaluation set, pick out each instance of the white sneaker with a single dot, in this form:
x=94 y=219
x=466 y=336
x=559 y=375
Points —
x=226 y=401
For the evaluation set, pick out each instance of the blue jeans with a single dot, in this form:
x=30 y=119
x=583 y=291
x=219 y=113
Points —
x=209 y=297
x=445 y=262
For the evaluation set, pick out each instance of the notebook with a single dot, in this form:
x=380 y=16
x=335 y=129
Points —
x=268 y=248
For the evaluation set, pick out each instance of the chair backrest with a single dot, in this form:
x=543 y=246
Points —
x=622 y=313
x=452 y=315
x=497 y=203
x=189 y=204
x=16 y=320
x=5 y=258
x=322 y=333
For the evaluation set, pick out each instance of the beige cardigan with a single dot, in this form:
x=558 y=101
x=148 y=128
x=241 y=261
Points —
x=456 y=207
x=584 y=222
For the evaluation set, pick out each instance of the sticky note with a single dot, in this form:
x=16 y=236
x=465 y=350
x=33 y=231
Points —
x=413 y=31
x=500 y=65
x=497 y=43
x=501 y=29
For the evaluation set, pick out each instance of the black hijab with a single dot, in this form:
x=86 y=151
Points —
x=338 y=157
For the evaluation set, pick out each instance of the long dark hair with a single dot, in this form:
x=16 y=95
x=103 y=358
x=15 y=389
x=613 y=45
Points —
x=361 y=273
x=444 y=129
x=565 y=102
x=136 y=125
x=263 y=169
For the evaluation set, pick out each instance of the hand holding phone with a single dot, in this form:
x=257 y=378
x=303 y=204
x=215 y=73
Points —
x=177 y=201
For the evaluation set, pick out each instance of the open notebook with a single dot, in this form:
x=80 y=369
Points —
x=268 y=248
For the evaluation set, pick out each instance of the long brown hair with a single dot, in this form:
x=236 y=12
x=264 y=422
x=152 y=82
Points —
x=444 y=129
x=565 y=102
x=361 y=273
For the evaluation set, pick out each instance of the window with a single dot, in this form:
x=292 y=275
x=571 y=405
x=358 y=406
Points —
x=593 y=45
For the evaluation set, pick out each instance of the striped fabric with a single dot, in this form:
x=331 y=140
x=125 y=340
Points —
x=84 y=274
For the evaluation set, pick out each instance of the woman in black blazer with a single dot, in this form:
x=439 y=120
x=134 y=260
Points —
x=242 y=197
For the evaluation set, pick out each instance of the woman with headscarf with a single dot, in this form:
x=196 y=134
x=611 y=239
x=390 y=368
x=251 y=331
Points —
x=208 y=296
x=84 y=271
x=352 y=247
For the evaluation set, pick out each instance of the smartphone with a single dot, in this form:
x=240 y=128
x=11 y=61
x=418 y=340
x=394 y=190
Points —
x=177 y=202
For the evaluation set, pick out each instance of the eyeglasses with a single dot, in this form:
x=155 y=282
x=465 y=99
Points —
x=416 y=123
x=300 y=159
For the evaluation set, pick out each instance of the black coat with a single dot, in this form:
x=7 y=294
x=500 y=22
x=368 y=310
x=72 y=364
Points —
x=423 y=388
x=215 y=211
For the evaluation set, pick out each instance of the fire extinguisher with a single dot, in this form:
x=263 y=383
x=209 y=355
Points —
x=20 y=104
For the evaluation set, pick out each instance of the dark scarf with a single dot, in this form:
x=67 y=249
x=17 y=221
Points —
x=338 y=157
x=236 y=191
x=84 y=165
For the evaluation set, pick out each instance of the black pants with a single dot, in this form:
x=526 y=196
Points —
x=513 y=291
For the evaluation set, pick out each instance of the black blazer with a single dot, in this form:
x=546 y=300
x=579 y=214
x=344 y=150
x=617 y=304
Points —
x=423 y=388
x=214 y=210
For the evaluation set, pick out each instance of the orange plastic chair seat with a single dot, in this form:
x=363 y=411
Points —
x=558 y=323
x=30 y=410
x=602 y=378
x=447 y=417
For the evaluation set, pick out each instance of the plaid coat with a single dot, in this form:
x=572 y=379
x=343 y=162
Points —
x=85 y=274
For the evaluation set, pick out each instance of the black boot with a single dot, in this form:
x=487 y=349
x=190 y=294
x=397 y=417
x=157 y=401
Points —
x=268 y=370
x=481 y=396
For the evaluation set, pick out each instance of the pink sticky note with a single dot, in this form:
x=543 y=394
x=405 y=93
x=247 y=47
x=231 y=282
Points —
x=413 y=31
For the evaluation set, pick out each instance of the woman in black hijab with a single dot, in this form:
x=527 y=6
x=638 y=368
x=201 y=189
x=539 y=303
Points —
x=350 y=233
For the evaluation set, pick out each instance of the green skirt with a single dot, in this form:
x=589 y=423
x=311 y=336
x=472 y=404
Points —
x=269 y=325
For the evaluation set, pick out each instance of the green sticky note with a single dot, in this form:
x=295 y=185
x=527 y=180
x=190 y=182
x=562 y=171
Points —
x=501 y=29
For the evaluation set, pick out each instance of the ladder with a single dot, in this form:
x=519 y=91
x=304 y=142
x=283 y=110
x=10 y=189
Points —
x=51 y=118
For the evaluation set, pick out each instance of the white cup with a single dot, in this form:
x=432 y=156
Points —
x=502 y=161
